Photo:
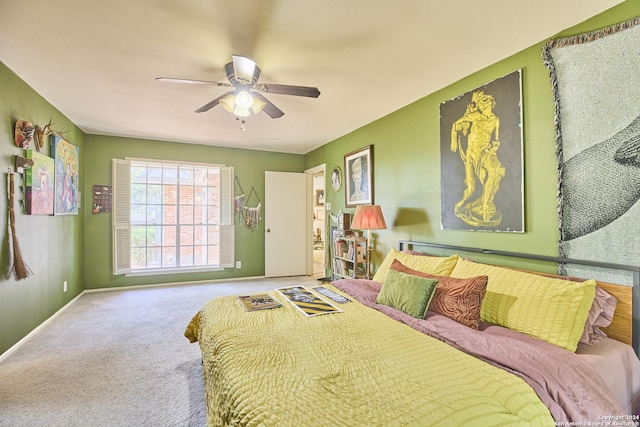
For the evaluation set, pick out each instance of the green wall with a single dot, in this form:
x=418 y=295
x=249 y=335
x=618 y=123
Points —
x=50 y=245
x=406 y=153
x=249 y=167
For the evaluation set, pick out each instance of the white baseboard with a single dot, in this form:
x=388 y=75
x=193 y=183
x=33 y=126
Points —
x=160 y=285
x=37 y=329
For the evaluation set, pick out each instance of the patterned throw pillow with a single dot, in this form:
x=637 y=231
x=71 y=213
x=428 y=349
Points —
x=457 y=299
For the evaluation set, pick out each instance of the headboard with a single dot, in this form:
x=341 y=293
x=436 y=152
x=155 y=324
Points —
x=626 y=321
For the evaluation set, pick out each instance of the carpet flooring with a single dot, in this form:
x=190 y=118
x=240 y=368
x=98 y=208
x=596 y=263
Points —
x=116 y=358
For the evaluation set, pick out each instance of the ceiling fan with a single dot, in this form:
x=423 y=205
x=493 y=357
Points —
x=247 y=96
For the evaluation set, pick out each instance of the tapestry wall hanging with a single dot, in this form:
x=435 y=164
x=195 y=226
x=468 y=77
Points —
x=596 y=83
x=481 y=158
x=66 y=176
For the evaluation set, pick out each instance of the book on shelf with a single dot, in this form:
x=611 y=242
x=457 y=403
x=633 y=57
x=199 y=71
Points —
x=340 y=248
x=355 y=252
x=340 y=266
x=258 y=302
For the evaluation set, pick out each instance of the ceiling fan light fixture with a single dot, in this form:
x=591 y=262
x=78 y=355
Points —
x=244 y=99
x=242 y=104
x=241 y=112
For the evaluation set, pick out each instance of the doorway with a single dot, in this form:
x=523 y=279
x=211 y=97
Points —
x=286 y=226
x=318 y=227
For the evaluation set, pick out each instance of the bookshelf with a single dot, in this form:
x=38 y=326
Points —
x=349 y=256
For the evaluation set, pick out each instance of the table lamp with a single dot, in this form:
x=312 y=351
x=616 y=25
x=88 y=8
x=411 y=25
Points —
x=368 y=217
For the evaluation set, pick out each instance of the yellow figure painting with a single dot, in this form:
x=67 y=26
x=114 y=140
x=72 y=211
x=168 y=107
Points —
x=481 y=129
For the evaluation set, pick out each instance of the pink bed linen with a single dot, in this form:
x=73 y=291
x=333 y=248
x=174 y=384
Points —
x=568 y=385
x=619 y=368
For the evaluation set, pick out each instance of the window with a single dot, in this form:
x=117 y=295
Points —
x=171 y=217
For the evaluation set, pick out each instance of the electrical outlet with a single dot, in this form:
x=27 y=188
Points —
x=238 y=264
x=64 y=286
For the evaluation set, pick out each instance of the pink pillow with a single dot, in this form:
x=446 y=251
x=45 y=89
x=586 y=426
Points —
x=600 y=316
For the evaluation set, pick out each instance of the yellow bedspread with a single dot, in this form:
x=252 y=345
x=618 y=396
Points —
x=355 y=368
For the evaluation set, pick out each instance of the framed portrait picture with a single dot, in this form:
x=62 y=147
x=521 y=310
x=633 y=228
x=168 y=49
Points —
x=319 y=197
x=358 y=177
x=336 y=178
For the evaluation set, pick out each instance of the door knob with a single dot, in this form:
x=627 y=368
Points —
x=268 y=230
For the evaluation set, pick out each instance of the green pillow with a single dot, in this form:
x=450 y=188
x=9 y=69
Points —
x=551 y=309
x=406 y=292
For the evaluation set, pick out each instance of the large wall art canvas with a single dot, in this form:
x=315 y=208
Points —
x=481 y=158
x=66 y=158
x=596 y=84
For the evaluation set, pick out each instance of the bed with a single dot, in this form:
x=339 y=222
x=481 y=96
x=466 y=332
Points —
x=413 y=347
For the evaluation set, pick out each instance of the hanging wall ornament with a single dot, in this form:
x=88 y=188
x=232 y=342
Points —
x=23 y=133
x=253 y=215
x=38 y=137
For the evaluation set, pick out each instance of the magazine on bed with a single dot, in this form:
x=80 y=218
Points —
x=307 y=302
x=258 y=302
x=340 y=299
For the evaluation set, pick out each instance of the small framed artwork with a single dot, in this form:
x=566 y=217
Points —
x=319 y=197
x=358 y=177
x=102 y=198
x=336 y=178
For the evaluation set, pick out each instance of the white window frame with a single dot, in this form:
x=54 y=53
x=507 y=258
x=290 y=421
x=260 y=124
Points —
x=122 y=226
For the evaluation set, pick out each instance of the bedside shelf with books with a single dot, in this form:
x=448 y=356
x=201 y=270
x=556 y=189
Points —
x=349 y=256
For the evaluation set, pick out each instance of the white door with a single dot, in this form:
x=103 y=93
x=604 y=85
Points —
x=285 y=224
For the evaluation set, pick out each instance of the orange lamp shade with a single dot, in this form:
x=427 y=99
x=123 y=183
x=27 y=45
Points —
x=368 y=217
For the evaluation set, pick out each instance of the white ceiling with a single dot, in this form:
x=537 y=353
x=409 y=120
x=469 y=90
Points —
x=96 y=60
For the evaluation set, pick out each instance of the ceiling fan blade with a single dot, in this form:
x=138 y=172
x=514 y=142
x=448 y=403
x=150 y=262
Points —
x=245 y=69
x=311 y=92
x=270 y=109
x=210 y=105
x=191 y=81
